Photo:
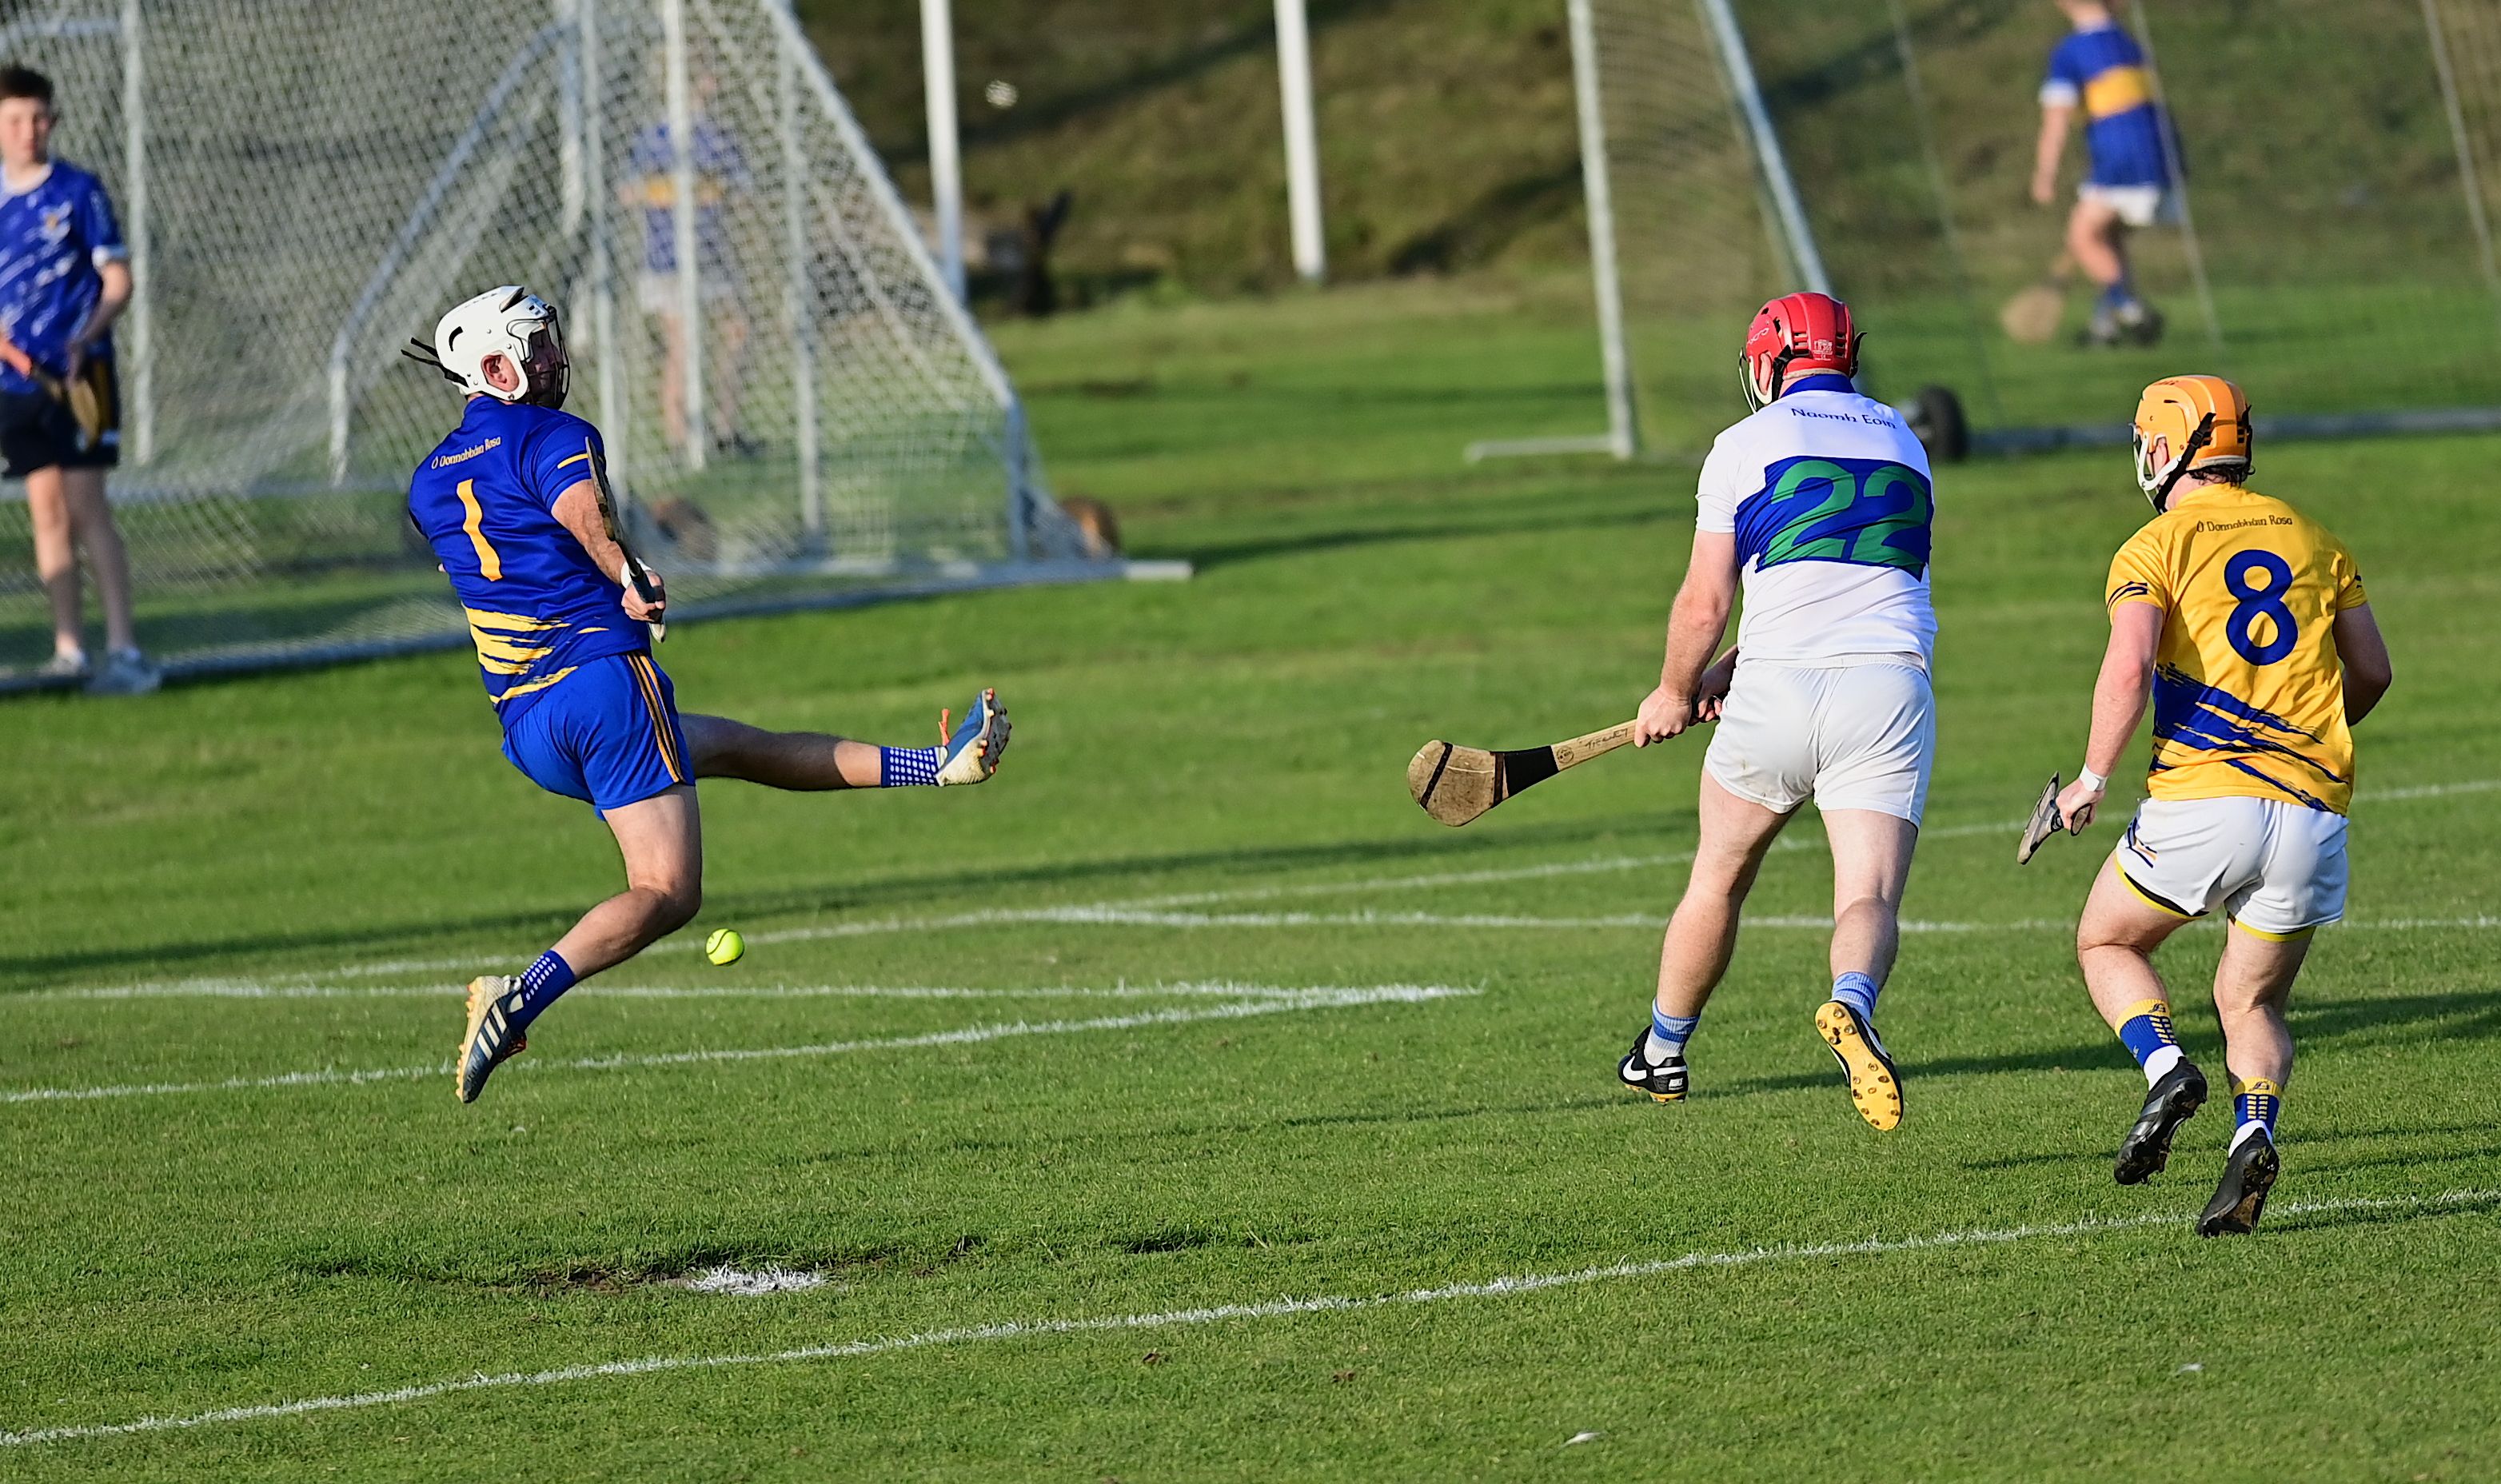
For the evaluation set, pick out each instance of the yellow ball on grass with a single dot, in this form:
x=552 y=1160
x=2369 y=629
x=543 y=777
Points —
x=724 y=946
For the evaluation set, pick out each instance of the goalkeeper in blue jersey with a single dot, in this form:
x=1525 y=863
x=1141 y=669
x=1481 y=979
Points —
x=512 y=504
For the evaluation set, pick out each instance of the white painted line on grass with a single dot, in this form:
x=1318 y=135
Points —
x=245 y=989
x=1275 y=1308
x=1270 y=1004
x=2427 y=791
x=1129 y=912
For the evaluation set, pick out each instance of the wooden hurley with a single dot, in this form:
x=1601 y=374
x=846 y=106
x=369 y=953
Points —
x=2031 y=315
x=1457 y=784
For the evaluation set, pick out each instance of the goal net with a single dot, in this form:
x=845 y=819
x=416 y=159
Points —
x=2336 y=254
x=797 y=412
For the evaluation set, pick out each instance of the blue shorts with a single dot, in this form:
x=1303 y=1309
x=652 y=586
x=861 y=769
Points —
x=607 y=734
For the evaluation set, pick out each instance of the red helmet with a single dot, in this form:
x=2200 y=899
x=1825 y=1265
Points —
x=1797 y=332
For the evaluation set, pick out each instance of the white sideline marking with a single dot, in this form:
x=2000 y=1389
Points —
x=2428 y=790
x=246 y=989
x=1274 y=1004
x=1122 y=913
x=1275 y=1308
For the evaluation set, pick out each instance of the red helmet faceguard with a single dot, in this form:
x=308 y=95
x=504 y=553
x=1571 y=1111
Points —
x=1797 y=332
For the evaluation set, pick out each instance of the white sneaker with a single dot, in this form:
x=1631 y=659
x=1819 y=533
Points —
x=70 y=666
x=973 y=750
x=125 y=672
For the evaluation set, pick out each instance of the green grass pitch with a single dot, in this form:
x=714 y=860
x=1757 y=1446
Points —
x=1250 y=1083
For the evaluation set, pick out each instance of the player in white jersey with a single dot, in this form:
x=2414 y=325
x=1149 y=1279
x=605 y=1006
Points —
x=1820 y=504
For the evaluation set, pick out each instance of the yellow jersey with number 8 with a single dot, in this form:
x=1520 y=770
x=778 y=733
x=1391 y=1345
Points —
x=2249 y=695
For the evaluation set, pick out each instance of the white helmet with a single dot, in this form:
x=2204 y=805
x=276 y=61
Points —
x=515 y=324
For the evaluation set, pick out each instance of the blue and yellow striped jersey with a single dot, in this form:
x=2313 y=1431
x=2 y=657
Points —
x=2248 y=694
x=486 y=500
x=2102 y=71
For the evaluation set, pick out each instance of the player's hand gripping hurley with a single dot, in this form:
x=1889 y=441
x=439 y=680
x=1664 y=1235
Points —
x=1457 y=784
x=77 y=393
x=646 y=585
x=2046 y=822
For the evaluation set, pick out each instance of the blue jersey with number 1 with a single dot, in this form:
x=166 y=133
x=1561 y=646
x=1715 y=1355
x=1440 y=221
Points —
x=486 y=500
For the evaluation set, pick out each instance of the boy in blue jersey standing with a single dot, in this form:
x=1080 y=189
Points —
x=510 y=504
x=64 y=278
x=2128 y=182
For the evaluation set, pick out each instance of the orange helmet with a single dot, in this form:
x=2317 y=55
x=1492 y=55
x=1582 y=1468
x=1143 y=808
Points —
x=2187 y=423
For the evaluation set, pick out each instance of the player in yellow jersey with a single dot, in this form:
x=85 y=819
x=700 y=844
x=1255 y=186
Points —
x=2245 y=623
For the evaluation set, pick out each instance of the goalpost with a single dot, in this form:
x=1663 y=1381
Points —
x=798 y=410
x=1691 y=207
x=2344 y=160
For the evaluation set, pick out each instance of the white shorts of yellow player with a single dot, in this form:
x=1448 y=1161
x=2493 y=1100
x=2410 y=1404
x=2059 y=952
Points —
x=2277 y=868
x=2138 y=206
x=1854 y=736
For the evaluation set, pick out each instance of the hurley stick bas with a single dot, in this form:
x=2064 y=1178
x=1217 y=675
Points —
x=1457 y=784
x=78 y=396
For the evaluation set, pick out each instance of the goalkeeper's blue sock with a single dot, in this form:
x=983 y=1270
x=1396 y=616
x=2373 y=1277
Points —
x=2257 y=1101
x=2146 y=1034
x=541 y=982
x=1858 y=992
x=1668 y=1034
x=904 y=767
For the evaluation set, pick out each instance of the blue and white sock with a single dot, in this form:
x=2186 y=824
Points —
x=904 y=767
x=542 y=984
x=1858 y=992
x=1668 y=1034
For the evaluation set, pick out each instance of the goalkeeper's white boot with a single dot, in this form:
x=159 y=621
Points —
x=973 y=747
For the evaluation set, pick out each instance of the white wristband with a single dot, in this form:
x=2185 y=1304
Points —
x=2091 y=780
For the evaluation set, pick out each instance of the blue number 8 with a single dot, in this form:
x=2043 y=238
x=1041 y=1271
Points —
x=2239 y=571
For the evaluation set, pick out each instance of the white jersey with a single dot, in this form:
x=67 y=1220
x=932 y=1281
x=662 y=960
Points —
x=1830 y=499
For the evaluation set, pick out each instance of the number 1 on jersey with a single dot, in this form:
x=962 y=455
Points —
x=490 y=565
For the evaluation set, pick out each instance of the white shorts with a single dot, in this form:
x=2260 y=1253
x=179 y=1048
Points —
x=2135 y=205
x=2275 y=867
x=658 y=291
x=1856 y=736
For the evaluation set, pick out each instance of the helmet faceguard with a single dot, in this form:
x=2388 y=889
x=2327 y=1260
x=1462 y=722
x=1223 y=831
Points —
x=1797 y=332
x=2189 y=424
x=510 y=322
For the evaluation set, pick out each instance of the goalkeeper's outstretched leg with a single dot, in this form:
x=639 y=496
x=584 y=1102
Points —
x=660 y=838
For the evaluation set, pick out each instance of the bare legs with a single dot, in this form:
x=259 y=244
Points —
x=2114 y=944
x=1735 y=834
x=726 y=367
x=2098 y=239
x=69 y=513
x=1871 y=865
x=804 y=761
x=661 y=839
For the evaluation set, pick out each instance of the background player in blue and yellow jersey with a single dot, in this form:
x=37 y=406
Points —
x=511 y=503
x=64 y=278
x=2245 y=623
x=2127 y=182
x=721 y=177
